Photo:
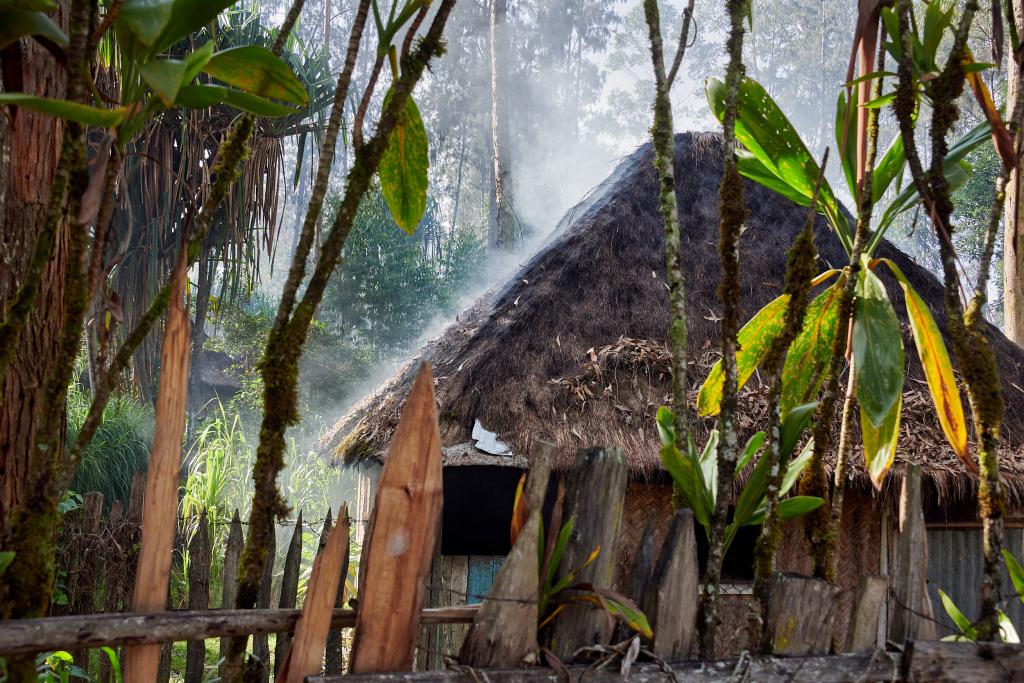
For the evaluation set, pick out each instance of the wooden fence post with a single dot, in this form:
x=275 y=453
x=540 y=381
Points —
x=87 y=564
x=198 y=596
x=289 y=590
x=261 y=642
x=672 y=594
x=911 y=610
x=504 y=633
x=862 y=633
x=400 y=541
x=594 y=497
x=801 y=613
x=332 y=656
x=639 y=576
x=113 y=575
x=229 y=575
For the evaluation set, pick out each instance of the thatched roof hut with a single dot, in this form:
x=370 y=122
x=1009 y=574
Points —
x=571 y=349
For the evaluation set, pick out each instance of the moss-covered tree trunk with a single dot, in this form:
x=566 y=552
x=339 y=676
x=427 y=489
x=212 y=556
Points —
x=1013 y=232
x=501 y=217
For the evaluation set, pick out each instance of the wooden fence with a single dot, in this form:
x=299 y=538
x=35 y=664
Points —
x=501 y=635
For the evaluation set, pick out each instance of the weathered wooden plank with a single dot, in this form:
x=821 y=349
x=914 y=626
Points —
x=800 y=615
x=86 y=566
x=504 y=632
x=198 y=596
x=862 y=633
x=289 y=590
x=401 y=536
x=260 y=642
x=846 y=668
x=113 y=574
x=910 y=609
x=454 y=582
x=27 y=636
x=594 y=496
x=160 y=505
x=333 y=656
x=671 y=597
x=938 y=662
x=639 y=576
x=307 y=652
x=229 y=575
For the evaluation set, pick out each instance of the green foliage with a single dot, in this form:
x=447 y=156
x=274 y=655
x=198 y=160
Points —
x=695 y=475
x=119 y=449
x=19 y=23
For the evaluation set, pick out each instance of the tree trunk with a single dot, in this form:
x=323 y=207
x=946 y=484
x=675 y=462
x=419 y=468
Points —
x=1013 y=235
x=30 y=144
x=501 y=220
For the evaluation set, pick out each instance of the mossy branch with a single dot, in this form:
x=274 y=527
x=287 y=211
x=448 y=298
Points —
x=732 y=214
x=800 y=270
x=662 y=134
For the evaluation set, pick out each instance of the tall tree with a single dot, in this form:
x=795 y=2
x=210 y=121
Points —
x=1013 y=233
x=29 y=149
x=501 y=217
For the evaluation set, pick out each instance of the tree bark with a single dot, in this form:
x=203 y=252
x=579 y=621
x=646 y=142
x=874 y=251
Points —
x=30 y=145
x=501 y=220
x=1013 y=234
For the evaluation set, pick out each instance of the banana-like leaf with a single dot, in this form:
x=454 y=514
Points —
x=764 y=130
x=877 y=349
x=18 y=23
x=403 y=168
x=959 y=618
x=938 y=369
x=880 y=442
x=796 y=467
x=753 y=341
x=202 y=96
x=809 y=354
x=709 y=464
x=665 y=421
x=888 y=169
x=257 y=71
x=793 y=426
x=69 y=111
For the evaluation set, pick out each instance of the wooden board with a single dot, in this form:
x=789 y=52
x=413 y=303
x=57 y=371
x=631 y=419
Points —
x=401 y=538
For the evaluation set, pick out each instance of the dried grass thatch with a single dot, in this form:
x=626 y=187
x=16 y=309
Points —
x=570 y=350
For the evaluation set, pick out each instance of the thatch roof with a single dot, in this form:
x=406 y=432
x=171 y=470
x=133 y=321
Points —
x=571 y=349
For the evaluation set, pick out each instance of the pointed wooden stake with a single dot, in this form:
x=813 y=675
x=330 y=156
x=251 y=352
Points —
x=400 y=539
x=306 y=654
x=160 y=504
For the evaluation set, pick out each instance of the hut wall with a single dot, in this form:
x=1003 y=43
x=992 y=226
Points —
x=955 y=564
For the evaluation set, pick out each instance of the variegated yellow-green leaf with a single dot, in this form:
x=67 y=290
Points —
x=257 y=71
x=403 y=168
x=877 y=349
x=754 y=340
x=938 y=370
x=810 y=352
x=880 y=442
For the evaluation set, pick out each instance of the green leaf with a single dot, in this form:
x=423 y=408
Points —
x=403 y=168
x=257 y=71
x=165 y=77
x=793 y=426
x=848 y=153
x=880 y=442
x=877 y=349
x=709 y=463
x=808 y=355
x=69 y=111
x=764 y=130
x=633 y=617
x=752 y=168
x=754 y=341
x=666 y=425
x=202 y=96
x=754 y=444
x=195 y=62
x=145 y=19
x=28 y=5
x=19 y=23
x=938 y=370
x=557 y=551
x=790 y=508
x=796 y=467
x=961 y=621
x=6 y=557
x=686 y=475
x=187 y=17
x=1016 y=573
x=880 y=101
x=888 y=169
x=1007 y=632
